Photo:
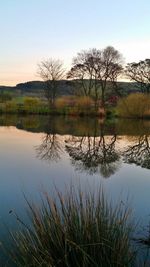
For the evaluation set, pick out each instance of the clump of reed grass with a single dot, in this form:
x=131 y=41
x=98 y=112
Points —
x=75 y=230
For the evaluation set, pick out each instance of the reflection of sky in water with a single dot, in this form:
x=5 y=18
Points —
x=22 y=171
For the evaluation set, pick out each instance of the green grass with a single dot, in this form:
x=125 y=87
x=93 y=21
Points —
x=75 y=230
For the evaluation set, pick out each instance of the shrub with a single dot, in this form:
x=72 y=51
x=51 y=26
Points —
x=65 y=101
x=74 y=105
x=61 y=103
x=72 y=230
x=134 y=105
x=84 y=102
x=31 y=103
x=10 y=106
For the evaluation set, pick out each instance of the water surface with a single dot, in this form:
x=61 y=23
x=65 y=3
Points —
x=40 y=153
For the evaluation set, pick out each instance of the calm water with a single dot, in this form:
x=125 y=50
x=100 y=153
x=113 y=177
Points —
x=41 y=153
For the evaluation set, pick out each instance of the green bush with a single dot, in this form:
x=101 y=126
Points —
x=75 y=230
x=31 y=103
x=10 y=107
x=134 y=105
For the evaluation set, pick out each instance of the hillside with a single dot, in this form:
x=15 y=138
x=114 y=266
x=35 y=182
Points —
x=36 y=88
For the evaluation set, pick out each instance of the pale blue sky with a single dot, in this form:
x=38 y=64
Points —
x=32 y=30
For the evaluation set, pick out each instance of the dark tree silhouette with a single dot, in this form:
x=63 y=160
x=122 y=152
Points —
x=84 y=74
x=140 y=73
x=50 y=148
x=94 y=154
x=93 y=69
x=139 y=153
x=51 y=71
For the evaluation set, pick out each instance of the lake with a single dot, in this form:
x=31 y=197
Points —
x=39 y=154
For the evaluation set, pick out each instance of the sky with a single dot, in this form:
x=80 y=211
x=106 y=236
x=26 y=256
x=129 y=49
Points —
x=33 y=30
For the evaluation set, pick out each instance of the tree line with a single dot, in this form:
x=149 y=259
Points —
x=92 y=72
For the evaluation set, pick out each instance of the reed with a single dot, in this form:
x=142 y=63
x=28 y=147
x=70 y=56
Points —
x=75 y=230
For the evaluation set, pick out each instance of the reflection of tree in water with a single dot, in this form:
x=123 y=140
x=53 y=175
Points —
x=94 y=154
x=50 y=148
x=139 y=153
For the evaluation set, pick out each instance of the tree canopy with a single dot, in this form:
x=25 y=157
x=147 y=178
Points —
x=98 y=67
x=140 y=73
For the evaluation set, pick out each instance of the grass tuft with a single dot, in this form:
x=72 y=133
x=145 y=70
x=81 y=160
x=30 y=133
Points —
x=75 y=230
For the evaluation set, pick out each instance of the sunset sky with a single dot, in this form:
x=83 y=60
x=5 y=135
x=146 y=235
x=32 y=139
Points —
x=33 y=30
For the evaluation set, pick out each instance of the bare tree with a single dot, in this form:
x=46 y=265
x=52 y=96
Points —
x=93 y=69
x=94 y=154
x=51 y=71
x=109 y=67
x=83 y=72
x=139 y=153
x=50 y=148
x=140 y=73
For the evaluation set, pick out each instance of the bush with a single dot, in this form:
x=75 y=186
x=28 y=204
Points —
x=60 y=103
x=75 y=230
x=134 y=105
x=84 y=102
x=74 y=105
x=65 y=101
x=10 y=107
x=31 y=103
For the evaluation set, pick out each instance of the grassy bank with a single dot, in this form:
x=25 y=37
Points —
x=75 y=229
x=68 y=105
x=135 y=105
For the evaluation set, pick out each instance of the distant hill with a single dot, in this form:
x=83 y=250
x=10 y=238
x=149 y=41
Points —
x=36 y=88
